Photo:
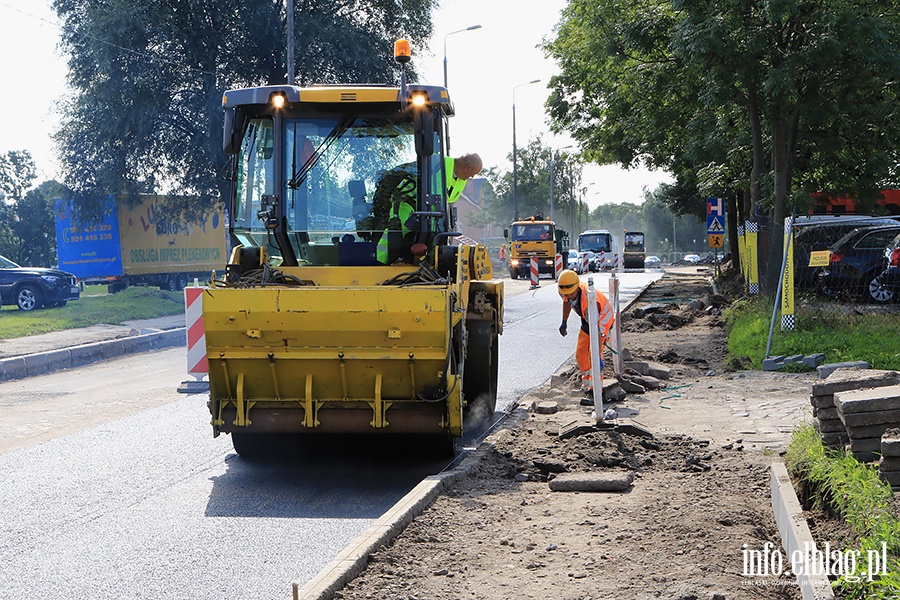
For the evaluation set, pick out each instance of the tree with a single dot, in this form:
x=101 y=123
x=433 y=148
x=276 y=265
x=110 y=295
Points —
x=35 y=227
x=148 y=78
x=533 y=187
x=27 y=226
x=811 y=80
x=17 y=174
x=772 y=99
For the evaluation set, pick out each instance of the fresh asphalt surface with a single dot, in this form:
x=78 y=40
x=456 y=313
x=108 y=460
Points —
x=151 y=506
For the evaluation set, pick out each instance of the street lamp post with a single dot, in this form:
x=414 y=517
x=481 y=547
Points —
x=470 y=28
x=290 y=41
x=515 y=167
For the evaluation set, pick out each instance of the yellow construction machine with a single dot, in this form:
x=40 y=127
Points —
x=333 y=316
x=534 y=237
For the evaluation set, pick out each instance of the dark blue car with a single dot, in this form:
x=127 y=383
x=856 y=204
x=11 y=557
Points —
x=856 y=263
x=33 y=287
x=811 y=236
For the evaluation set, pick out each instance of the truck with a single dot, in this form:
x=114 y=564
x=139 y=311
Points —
x=150 y=243
x=310 y=331
x=602 y=244
x=634 y=250
x=533 y=237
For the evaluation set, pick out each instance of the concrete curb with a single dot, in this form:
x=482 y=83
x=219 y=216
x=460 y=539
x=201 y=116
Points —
x=795 y=534
x=354 y=558
x=40 y=363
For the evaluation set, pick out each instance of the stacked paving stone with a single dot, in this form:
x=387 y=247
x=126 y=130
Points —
x=889 y=465
x=828 y=420
x=867 y=414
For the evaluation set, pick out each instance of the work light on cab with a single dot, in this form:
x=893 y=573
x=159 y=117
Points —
x=277 y=100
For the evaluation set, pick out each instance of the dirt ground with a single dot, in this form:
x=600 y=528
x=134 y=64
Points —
x=698 y=502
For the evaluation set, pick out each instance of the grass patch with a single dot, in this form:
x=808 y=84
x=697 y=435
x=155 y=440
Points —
x=836 y=481
x=92 y=309
x=841 y=336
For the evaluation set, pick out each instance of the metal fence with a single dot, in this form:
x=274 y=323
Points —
x=826 y=284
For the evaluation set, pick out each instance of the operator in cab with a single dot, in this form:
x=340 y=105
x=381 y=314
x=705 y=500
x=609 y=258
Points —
x=398 y=189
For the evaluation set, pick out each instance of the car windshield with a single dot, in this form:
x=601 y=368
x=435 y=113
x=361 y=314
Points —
x=5 y=263
x=596 y=242
x=877 y=239
x=532 y=232
x=340 y=175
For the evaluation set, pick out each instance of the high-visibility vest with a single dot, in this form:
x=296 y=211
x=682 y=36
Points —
x=580 y=306
x=455 y=185
x=404 y=212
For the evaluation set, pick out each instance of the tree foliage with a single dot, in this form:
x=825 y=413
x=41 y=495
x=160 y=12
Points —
x=742 y=99
x=27 y=226
x=148 y=78
x=534 y=165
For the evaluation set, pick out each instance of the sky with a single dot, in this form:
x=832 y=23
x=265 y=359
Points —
x=488 y=72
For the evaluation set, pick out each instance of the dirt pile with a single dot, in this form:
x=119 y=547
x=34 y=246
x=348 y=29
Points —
x=699 y=497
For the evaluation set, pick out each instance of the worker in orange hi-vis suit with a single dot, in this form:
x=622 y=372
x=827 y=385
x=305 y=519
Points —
x=575 y=296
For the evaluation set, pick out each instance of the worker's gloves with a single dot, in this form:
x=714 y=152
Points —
x=563 y=329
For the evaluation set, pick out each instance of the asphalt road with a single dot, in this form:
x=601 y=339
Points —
x=121 y=491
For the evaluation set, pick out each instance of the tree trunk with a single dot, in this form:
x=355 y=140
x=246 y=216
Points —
x=732 y=216
x=759 y=157
x=780 y=169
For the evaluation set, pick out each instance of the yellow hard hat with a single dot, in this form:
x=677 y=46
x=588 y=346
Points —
x=568 y=282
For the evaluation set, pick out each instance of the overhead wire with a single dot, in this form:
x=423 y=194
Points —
x=71 y=31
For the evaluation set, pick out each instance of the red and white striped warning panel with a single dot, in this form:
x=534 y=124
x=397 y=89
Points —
x=535 y=275
x=558 y=265
x=197 y=364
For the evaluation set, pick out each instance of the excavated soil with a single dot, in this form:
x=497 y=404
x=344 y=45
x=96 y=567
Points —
x=698 y=502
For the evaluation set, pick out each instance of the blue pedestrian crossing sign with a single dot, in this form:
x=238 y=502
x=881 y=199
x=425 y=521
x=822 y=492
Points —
x=715 y=224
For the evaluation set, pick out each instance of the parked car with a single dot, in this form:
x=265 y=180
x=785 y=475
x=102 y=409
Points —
x=652 y=262
x=692 y=258
x=856 y=263
x=889 y=279
x=820 y=235
x=33 y=287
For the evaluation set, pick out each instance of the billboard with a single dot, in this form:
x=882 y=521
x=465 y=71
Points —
x=88 y=249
